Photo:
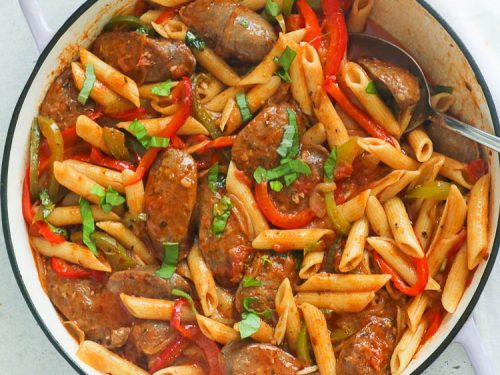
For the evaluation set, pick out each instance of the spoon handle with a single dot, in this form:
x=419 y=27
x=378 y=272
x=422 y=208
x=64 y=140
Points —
x=467 y=131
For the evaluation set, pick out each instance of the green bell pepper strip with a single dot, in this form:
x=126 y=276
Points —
x=52 y=133
x=340 y=334
x=199 y=111
x=34 y=160
x=302 y=345
x=347 y=152
x=436 y=190
x=128 y=23
x=115 y=141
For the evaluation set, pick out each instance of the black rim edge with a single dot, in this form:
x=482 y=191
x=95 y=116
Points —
x=5 y=162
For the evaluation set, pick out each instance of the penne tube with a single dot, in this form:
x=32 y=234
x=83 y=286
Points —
x=216 y=331
x=336 y=133
x=358 y=15
x=112 y=78
x=421 y=144
x=424 y=225
x=387 y=154
x=315 y=135
x=357 y=81
x=284 y=300
x=280 y=329
x=377 y=218
x=398 y=186
x=150 y=16
x=401 y=228
x=415 y=310
x=265 y=332
x=299 y=85
x=321 y=343
x=102 y=176
x=70 y=252
x=330 y=282
x=442 y=102
x=293 y=239
x=134 y=193
x=428 y=171
x=354 y=209
x=254 y=4
x=406 y=348
x=180 y=370
x=153 y=309
x=355 y=245
x=337 y=302
x=456 y=282
x=389 y=251
x=91 y=132
x=70 y=215
x=477 y=222
x=217 y=103
x=104 y=360
x=111 y=102
x=217 y=67
x=75 y=181
x=453 y=170
x=203 y=281
x=128 y=239
x=256 y=97
x=312 y=262
x=171 y=29
x=156 y=126
x=170 y=3
x=225 y=304
x=313 y=70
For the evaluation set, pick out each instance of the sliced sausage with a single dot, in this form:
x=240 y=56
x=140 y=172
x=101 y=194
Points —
x=233 y=30
x=226 y=254
x=249 y=358
x=145 y=59
x=142 y=282
x=270 y=269
x=256 y=144
x=170 y=197
x=61 y=102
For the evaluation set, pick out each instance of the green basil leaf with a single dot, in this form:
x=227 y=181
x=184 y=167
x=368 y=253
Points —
x=272 y=9
x=114 y=198
x=140 y=132
x=88 y=84
x=246 y=305
x=276 y=185
x=162 y=89
x=285 y=61
x=194 y=41
x=216 y=181
x=265 y=259
x=221 y=212
x=159 y=142
x=260 y=174
x=242 y=102
x=292 y=166
x=330 y=164
x=47 y=204
x=249 y=325
x=60 y=231
x=170 y=260
x=371 y=88
x=249 y=281
x=88 y=225
x=289 y=146
x=180 y=293
x=290 y=178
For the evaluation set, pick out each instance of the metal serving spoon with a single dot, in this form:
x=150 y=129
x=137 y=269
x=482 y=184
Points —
x=362 y=45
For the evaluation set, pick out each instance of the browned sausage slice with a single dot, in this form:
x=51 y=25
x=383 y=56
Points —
x=145 y=59
x=233 y=30
x=226 y=254
x=61 y=102
x=249 y=358
x=170 y=197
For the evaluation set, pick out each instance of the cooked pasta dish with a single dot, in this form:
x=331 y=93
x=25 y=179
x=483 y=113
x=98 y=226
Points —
x=214 y=187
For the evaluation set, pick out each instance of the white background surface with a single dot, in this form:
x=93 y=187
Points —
x=23 y=347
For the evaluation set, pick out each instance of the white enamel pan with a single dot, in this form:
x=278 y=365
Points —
x=413 y=23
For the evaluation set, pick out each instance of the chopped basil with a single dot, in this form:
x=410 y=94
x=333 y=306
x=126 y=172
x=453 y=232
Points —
x=216 y=181
x=47 y=205
x=221 y=212
x=276 y=185
x=290 y=178
x=250 y=323
x=249 y=281
x=59 y=231
x=371 y=88
x=272 y=9
x=439 y=89
x=193 y=41
x=287 y=7
x=330 y=164
x=180 y=293
x=293 y=166
x=140 y=132
x=170 y=259
x=162 y=89
x=289 y=146
x=243 y=22
x=268 y=313
x=242 y=102
x=107 y=199
x=88 y=84
x=285 y=61
x=260 y=174
x=265 y=259
x=88 y=225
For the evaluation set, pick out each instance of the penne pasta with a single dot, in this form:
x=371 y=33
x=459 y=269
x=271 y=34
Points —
x=293 y=239
x=453 y=170
x=157 y=125
x=406 y=348
x=180 y=370
x=216 y=331
x=330 y=282
x=477 y=222
x=358 y=16
x=387 y=154
x=421 y=144
x=265 y=332
x=134 y=193
x=128 y=239
x=75 y=181
x=284 y=300
x=299 y=85
x=336 y=133
x=70 y=215
x=424 y=225
x=203 y=281
x=428 y=171
x=170 y=3
x=354 y=209
x=280 y=329
x=171 y=29
x=112 y=78
x=415 y=310
x=456 y=282
x=390 y=185
x=70 y=252
x=216 y=66
x=150 y=16
x=337 y=302
x=153 y=309
x=254 y=4
x=355 y=245
x=315 y=135
x=103 y=176
x=91 y=132
x=313 y=71
x=311 y=264
x=218 y=102
x=442 y=102
x=377 y=218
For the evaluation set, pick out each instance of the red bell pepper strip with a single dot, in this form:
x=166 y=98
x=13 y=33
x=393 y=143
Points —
x=97 y=157
x=221 y=142
x=96 y=114
x=165 y=16
x=435 y=319
x=335 y=24
x=368 y=125
x=169 y=354
x=177 y=142
x=294 y=22
x=421 y=268
x=275 y=216
x=68 y=270
x=131 y=114
x=45 y=231
x=450 y=257
x=313 y=30
x=184 y=90
x=475 y=170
